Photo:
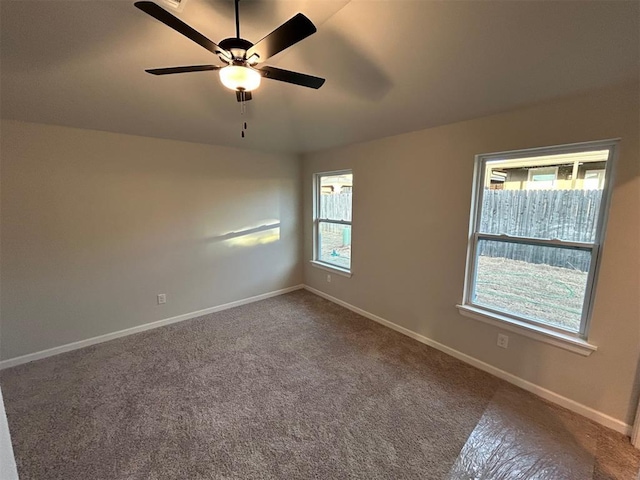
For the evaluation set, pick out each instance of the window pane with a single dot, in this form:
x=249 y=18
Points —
x=542 y=178
x=334 y=244
x=543 y=283
x=552 y=196
x=594 y=179
x=335 y=196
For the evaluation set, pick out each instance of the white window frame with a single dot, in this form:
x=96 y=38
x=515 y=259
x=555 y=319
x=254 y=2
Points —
x=574 y=341
x=317 y=191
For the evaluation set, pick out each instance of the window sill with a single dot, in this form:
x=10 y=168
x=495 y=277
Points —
x=331 y=268
x=552 y=337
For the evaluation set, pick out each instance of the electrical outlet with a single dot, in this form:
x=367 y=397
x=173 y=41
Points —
x=503 y=340
x=328 y=278
x=162 y=298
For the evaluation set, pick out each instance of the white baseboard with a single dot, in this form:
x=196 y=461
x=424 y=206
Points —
x=590 y=413
x=12 y=362
x=572 y=405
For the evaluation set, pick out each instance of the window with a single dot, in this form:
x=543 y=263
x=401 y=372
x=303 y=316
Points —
x=332 y=220
x=542 y=178
x=533 y=252
x=594 y=179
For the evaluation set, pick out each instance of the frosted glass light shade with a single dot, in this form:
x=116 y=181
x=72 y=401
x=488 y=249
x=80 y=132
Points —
x=237 y=77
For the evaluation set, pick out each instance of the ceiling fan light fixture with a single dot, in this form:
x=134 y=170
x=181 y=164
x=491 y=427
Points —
x=238 y=77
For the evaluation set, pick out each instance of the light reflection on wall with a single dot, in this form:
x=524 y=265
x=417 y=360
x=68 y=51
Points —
x=259 y=234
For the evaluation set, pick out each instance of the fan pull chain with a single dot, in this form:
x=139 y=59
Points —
x=243 y=110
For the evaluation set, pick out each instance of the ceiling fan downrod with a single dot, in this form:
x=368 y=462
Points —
x=237 y=19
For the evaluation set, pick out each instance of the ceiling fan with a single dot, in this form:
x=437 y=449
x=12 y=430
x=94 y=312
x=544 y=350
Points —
x=242 y=72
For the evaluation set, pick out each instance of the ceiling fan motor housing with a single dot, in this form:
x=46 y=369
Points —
x=238 y=47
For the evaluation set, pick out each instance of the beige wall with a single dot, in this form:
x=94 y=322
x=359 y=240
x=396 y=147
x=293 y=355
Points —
x=95 y=225
x=409 y=245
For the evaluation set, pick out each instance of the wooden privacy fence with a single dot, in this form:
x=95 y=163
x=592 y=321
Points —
x=570 y=215
x=335 y=206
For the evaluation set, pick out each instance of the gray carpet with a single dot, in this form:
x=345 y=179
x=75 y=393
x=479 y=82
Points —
x=290 y=387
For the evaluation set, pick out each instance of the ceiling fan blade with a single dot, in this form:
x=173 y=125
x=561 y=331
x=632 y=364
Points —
x=191 y=68
x=243 y=96
x=289 y=33
x=178 y=25
x=291 y=77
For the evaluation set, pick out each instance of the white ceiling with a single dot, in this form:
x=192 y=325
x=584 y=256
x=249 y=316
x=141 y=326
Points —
x=391 y=66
